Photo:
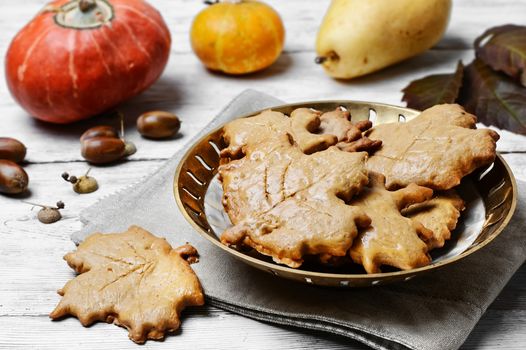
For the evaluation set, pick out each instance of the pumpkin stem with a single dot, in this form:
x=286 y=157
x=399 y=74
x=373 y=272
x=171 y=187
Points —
x=211 y=2
x=87 y=5
x=84 y=14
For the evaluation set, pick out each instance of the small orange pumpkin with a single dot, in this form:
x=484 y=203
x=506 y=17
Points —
x=237 y=37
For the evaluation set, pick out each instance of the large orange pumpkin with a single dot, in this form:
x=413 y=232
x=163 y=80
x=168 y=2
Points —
x=77 y=58
x=237 y=37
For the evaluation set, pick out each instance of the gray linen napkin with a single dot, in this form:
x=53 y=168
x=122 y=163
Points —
x=437 y=311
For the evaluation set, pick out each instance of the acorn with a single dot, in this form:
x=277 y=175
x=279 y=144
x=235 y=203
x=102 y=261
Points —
x=103 y=149
x=99 y=131
x=48 y=214
x=82 y=184
x=158 y=124
x=12 y=149
x=13 y=179
x=103 y=144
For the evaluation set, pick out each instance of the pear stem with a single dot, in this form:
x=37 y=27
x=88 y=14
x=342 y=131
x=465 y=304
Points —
x=213 y=2
x=320 y=59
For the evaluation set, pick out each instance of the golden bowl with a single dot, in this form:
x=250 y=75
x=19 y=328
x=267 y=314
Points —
x=495 y=185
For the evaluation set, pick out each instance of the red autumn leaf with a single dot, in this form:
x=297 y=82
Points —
x=494 y=98
x=503 y=48
x=433 y=89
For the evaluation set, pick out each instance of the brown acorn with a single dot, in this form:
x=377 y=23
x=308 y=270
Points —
x=12 y=149
x=13 y=179
x=103 y=144
x=48 y=214
x=158 y=124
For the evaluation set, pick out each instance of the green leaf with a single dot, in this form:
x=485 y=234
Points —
x=503 y=48
x=494 y=98
x=433 y=89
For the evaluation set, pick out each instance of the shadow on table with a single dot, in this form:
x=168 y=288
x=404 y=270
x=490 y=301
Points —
x=421 y=65
x=165 y=94
x=282 y=64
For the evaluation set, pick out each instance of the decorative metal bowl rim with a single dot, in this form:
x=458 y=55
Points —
x=306 y=273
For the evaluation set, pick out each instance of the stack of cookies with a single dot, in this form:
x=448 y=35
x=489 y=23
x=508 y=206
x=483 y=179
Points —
x=314 y=185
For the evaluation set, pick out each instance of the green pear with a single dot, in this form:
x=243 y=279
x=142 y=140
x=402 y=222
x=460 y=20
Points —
x=358 y=37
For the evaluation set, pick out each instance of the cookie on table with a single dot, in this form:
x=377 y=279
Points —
x=133 y=279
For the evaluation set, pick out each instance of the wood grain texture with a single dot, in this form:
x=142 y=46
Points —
x=31 y=265
x=196 y=94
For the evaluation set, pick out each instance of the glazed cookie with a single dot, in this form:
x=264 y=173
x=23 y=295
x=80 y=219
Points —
x=391 y=239
x=287 y=204
x=439 y=215
x=312 y=130
x=133 y=279
x=436 y=149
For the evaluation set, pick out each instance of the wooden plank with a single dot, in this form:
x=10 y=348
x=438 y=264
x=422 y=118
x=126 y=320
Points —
x=29 y=284
x=498 y=330
x=31 y=268
x=197 y=100
x=206 y=329
x=47 y=187
x=212 y=329
x=468 y=20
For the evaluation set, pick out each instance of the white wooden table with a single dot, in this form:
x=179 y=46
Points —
x=31 y=265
